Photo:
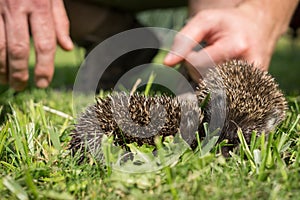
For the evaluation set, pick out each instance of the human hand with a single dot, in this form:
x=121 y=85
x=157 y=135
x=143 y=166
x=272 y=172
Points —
x=48 y=23
x=248 y=31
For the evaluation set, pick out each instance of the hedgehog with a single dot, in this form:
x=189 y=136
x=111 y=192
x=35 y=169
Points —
x=253 y=102
x=136 y=118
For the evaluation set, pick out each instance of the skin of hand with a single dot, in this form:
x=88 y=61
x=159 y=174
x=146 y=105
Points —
x=196 y=6
x=48 y=23
x=248 y=31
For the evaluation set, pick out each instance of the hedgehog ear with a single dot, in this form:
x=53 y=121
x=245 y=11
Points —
x=271 y=124
x=277 y=116
x=273 y=120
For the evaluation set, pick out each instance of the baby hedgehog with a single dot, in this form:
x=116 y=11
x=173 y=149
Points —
x=253 y=102
x=135 y=118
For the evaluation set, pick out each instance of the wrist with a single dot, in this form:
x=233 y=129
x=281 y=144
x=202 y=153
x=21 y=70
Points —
x=196 y=6
x=274 y=14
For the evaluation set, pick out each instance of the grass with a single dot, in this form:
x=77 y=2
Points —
x=35 y=162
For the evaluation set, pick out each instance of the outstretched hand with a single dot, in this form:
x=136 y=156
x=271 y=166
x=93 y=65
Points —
x=48 y=23
x=247 y=32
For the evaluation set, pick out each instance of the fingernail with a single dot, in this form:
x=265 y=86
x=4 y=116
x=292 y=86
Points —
x=69 y=42
x=42 y=83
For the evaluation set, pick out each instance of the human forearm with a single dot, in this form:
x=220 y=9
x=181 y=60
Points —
x=275 y=13
x=196 y=6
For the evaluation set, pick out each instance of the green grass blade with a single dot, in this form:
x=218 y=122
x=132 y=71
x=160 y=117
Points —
x=15 y=188
x=3 y=137
x=245 y=147
x=149 y=83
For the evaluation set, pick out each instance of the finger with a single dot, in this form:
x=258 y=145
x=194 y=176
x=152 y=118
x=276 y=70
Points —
x=222 y=50
x=17 y=36
x=3 y=70
x=198 y=63
x=62 y=25
x=210 y=56
x=42 y=28
x=227 y=49
x=189 y=37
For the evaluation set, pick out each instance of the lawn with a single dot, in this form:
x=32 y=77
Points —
x=35 y=162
